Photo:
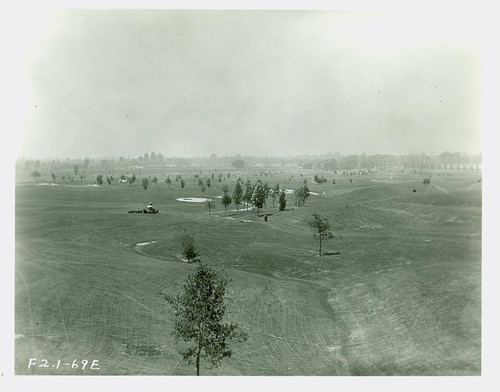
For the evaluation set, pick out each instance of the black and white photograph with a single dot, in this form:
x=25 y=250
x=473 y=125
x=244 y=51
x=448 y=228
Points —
x=248 y=192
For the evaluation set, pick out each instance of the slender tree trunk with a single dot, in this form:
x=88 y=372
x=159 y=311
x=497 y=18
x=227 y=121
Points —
x=320 y=245
x=198 y=361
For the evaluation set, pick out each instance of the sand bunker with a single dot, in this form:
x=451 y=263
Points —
x=236 y=219
x=376 y=226
x=242 y=209
x=193 y=199
x=145 y=243
x=46 y=184
x=291 y=191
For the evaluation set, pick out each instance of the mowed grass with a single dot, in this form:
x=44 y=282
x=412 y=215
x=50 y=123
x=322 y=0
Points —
x=402 y=296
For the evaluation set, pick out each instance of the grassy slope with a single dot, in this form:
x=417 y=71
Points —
x=402 y=297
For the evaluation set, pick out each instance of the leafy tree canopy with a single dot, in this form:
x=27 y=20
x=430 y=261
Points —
x=199 y=329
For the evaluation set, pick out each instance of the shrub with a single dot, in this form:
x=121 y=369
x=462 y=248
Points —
x=188 y=248
x=282 y=201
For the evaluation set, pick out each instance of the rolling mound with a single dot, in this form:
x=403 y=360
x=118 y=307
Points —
x=404 y=193
x=369 y=194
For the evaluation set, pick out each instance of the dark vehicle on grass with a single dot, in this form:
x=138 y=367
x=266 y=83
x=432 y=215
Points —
x=144 y=211
x=148 y=210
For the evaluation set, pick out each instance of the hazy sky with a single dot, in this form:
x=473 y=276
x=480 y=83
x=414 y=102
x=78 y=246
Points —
x=189 y=83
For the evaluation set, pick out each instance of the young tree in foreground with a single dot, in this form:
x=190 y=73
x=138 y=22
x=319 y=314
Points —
x=131 y=180
x=99 y=179
x=199 y=312
x=168 y=181
x=154 y=180
x=321 y=229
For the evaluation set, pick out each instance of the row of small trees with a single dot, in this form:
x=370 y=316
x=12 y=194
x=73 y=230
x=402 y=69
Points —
x=253 y=194
x=256 y=195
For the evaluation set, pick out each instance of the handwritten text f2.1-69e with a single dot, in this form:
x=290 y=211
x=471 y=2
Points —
x=83 y=364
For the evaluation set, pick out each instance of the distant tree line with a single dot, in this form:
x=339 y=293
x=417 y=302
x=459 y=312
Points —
x=347 y=165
